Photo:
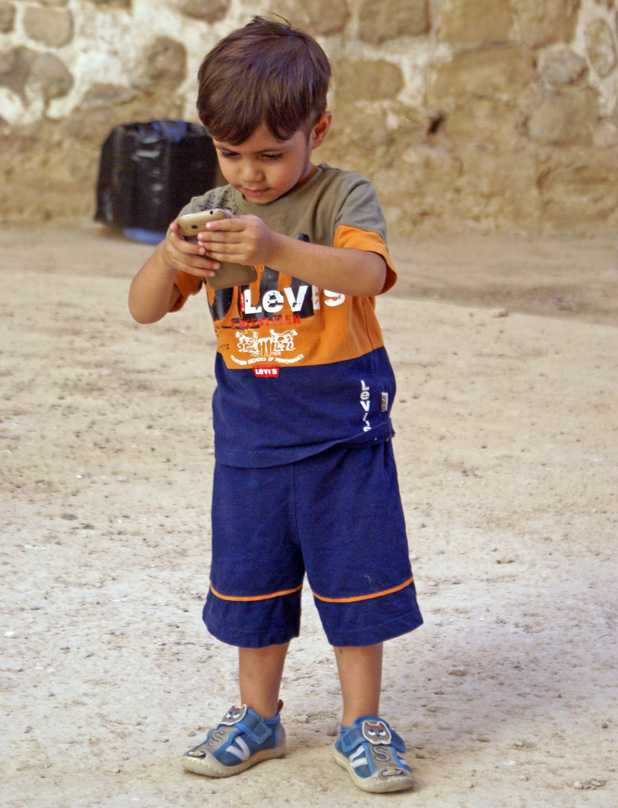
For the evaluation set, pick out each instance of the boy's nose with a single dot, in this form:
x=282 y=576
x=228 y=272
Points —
x=251 y=172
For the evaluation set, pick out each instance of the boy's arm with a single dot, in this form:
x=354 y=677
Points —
x=153 y=291
x=346 y=270
x=247 y=240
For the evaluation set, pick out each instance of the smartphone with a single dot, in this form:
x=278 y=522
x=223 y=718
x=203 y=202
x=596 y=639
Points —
x=228 y=274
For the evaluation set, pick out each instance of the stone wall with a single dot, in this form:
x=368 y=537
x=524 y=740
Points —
x=467 y=114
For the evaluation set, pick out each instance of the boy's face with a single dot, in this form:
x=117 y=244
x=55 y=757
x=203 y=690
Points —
x=264 y=168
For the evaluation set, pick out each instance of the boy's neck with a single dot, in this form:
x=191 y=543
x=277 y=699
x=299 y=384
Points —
x=308 y=176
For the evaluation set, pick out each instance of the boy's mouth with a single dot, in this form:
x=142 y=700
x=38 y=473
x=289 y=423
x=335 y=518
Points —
x=254 y=193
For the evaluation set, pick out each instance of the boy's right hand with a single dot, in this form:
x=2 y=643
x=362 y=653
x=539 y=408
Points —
x=179 y=254
x=153 y=291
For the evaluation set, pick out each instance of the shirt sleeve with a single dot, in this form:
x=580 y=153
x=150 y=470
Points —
x=346 y=236
x=360 y=224
x=187 y=285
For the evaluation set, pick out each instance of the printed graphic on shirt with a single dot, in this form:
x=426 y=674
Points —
x=273 y=348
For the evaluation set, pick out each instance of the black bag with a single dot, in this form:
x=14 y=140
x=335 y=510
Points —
x=148 y=171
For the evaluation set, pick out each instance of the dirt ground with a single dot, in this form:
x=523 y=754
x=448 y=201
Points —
x=505 y=350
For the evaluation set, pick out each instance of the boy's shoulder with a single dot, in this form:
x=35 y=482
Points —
x=345 y=180
x=352 y=199
x=336 y=192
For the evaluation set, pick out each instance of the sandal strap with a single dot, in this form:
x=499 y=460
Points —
x=246 y=721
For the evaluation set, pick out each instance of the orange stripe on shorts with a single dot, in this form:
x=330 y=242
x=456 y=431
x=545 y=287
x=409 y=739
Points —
x=255 y=597
x=366 y=597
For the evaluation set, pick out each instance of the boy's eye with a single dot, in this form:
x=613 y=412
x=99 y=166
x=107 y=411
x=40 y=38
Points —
x=227 y=155
x=271 y=157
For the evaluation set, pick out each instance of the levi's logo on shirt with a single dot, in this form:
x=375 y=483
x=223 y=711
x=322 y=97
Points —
x=269 y=373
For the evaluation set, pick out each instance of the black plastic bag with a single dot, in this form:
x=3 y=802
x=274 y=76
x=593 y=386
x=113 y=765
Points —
x=148 y=171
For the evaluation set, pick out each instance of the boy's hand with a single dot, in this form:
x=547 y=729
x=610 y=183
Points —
x=242 y=240
x=179 y=254
x=154 y=292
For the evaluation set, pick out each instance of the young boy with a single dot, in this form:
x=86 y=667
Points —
x=305 y=479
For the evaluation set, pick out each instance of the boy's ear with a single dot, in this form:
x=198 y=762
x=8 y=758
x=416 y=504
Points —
x=320 y=129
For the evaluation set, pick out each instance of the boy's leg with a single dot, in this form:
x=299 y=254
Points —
x=356 y=555
x=250 y=733
x=367 y=747
x=360 y=675
x=260 y=672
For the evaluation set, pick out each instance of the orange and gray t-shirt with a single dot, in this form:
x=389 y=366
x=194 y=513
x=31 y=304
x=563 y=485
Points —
x=299 y=369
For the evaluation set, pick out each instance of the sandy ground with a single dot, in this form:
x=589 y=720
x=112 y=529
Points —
x=505 y=350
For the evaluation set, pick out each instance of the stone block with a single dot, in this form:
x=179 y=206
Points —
x=543 y=22
x=317 y=17
x=164 y=64
x=600 y=47
x=380 y=21
x=49 y=76
x=579 y=190
x=208 y=10
x=419 y=188
x=564 y=117
x=484 y=122
x=23 y=70
x=475 y=21
x=366 y=133
x=7 y=18
x=498 y=188
x=103 y=96
x=50 y=26
x=562 y=67
x=495 y=73
x=367 y=80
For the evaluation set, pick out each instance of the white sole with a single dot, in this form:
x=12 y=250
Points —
x=209 y=766
x=374 y=784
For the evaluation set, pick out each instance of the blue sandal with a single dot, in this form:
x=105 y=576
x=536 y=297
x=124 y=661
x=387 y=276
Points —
x=370 y=752
x=242 y=739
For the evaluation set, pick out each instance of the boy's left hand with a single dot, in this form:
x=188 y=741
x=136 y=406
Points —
x=242 y=240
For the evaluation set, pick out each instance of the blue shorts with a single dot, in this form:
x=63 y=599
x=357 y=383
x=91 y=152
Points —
x=336 y=516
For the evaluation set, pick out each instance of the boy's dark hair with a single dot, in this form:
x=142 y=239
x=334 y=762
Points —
x=266 y=72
